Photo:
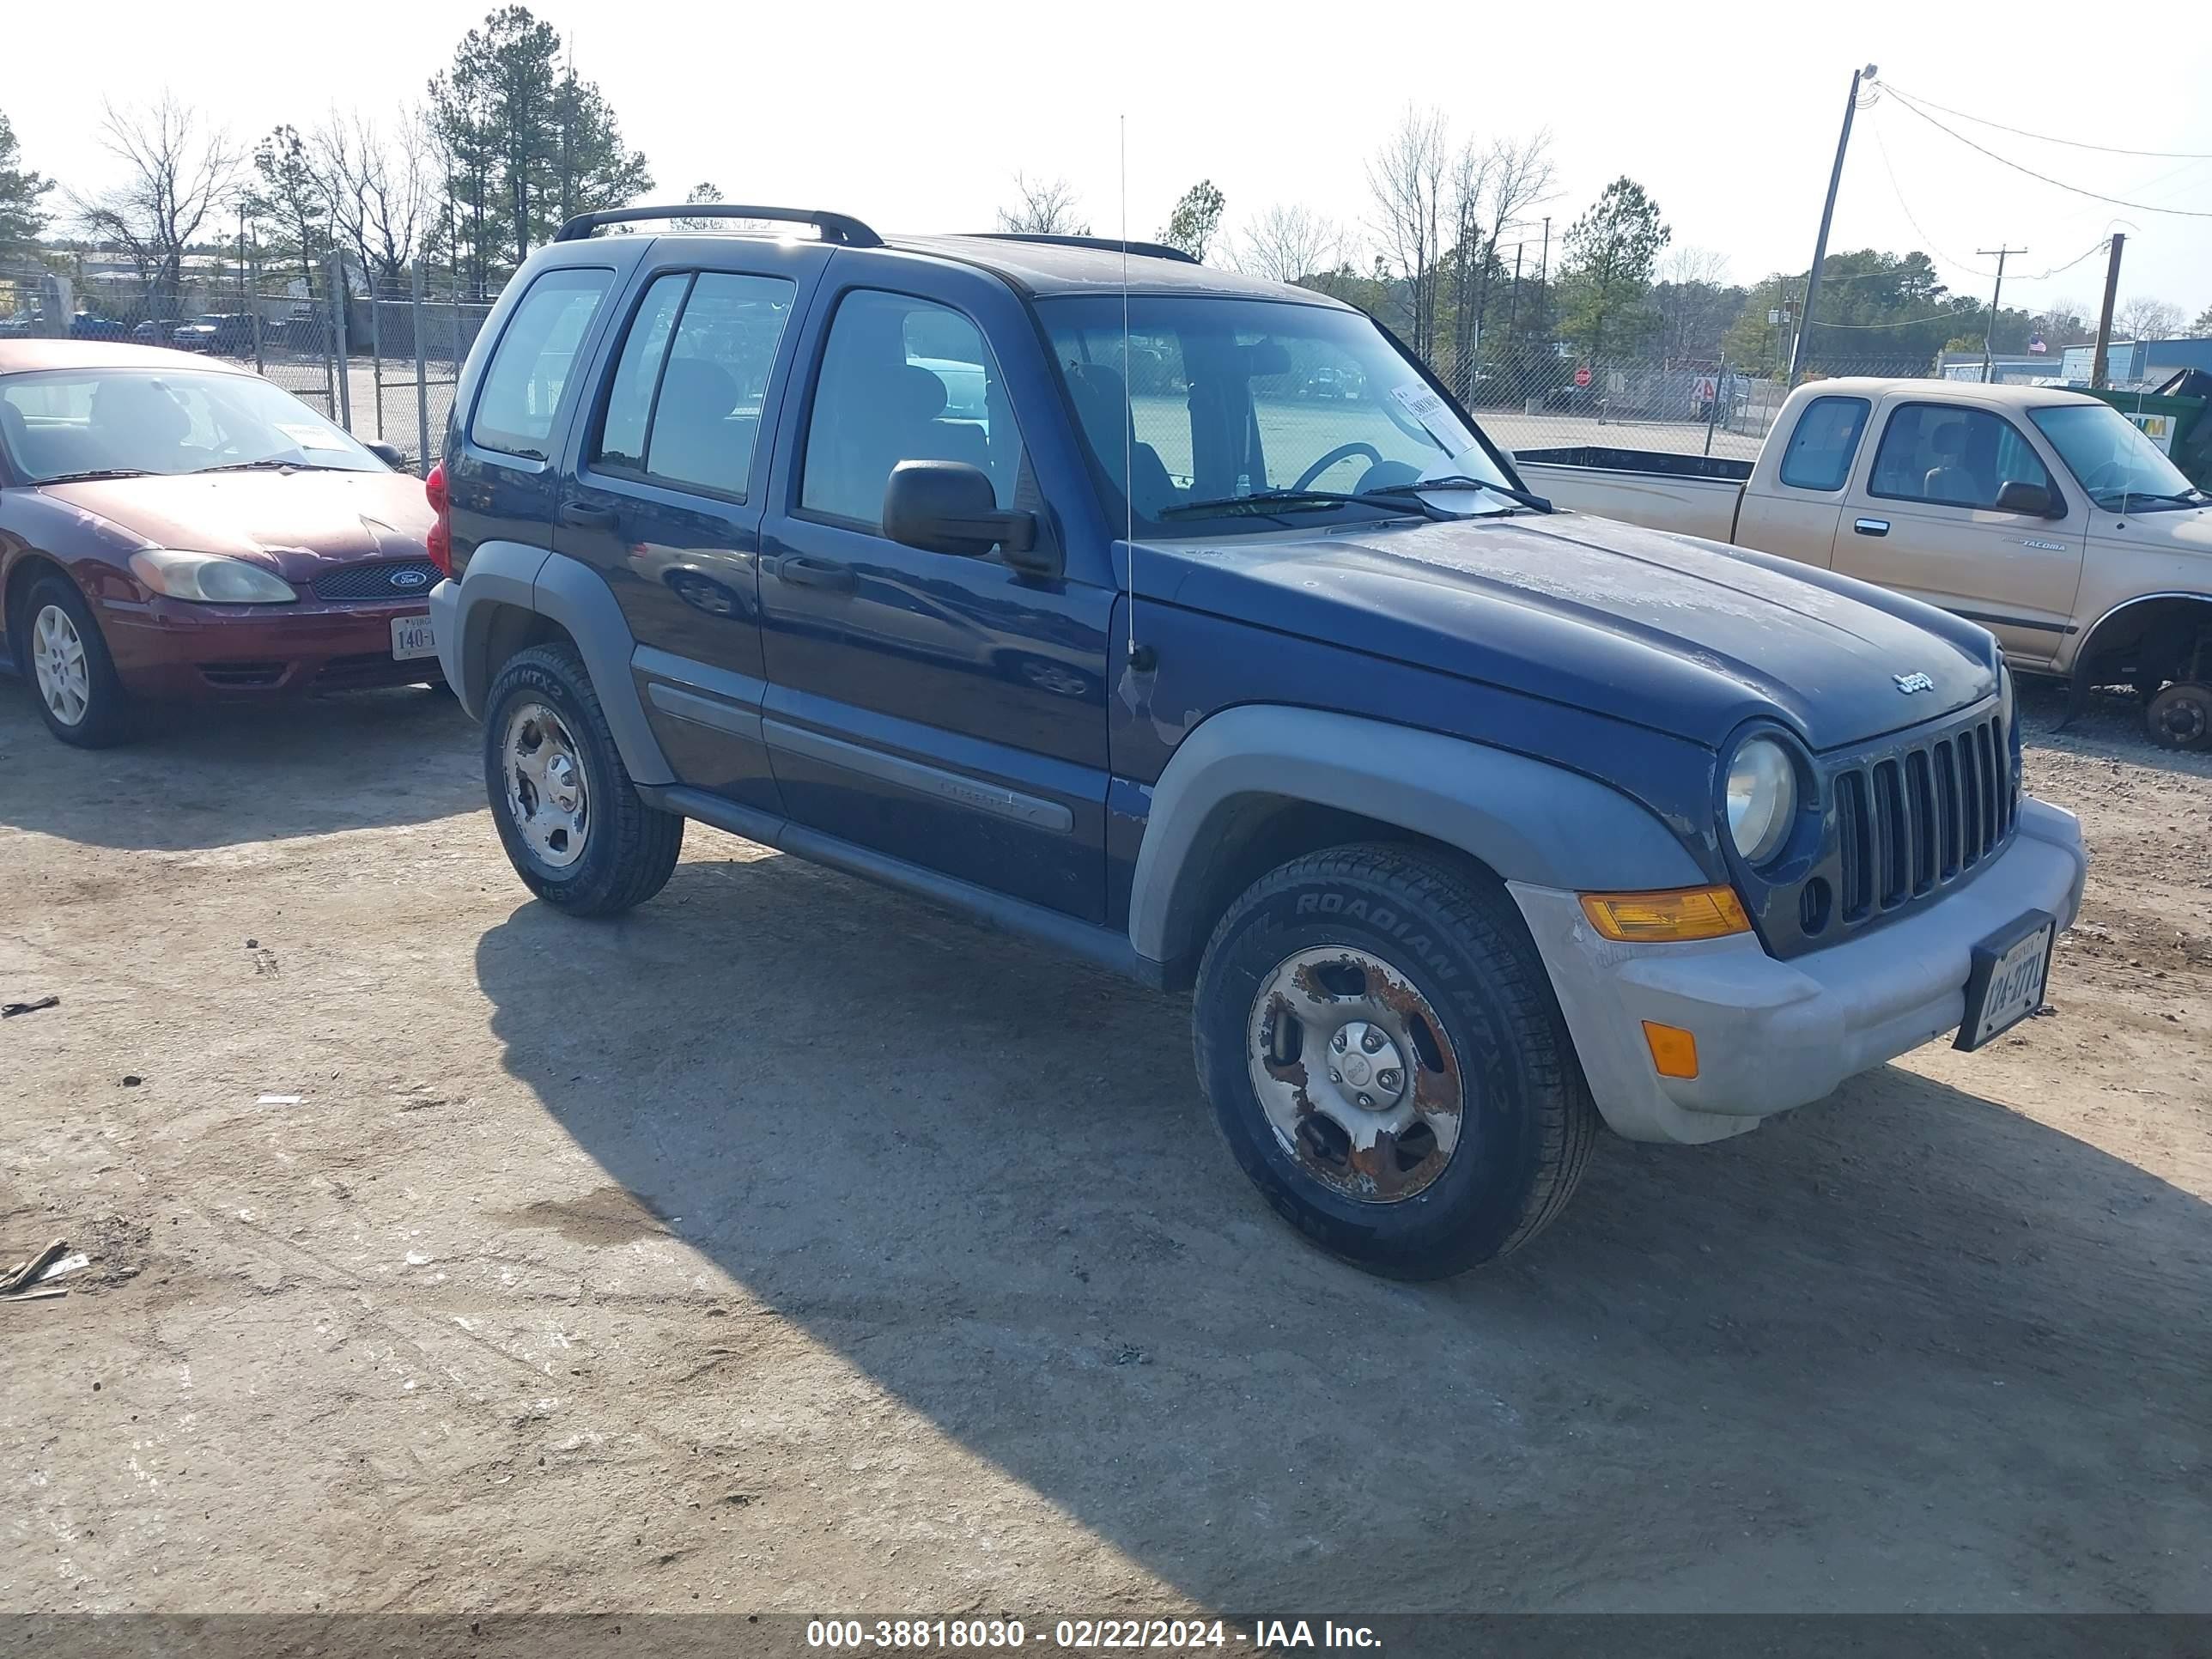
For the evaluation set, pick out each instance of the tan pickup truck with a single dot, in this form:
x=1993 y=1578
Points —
x=2044 y=515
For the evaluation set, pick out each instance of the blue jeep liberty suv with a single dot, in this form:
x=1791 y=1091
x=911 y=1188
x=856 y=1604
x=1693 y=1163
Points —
x=1186 y=622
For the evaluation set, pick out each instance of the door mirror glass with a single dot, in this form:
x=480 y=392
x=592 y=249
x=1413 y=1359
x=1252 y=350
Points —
x=951 y=506
x=2030 y=500
x=388 y=453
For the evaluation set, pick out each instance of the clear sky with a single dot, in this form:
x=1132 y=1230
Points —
x=915 y=116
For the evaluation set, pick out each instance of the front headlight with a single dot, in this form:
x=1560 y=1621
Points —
x=210 y=578
x=1762 y=798
x=2006 y=699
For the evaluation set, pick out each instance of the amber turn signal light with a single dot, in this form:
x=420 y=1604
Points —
x=1673 y=1050
x=1677 y=913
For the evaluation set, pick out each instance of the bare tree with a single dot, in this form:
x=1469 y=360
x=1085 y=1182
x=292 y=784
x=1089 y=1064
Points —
x=382 y=190
x=1288 y=243
x=1047 y=208
x=1406 y=177
x=177 y=176
x=1470 y=249
x=1519 y=176
x=2145 y=318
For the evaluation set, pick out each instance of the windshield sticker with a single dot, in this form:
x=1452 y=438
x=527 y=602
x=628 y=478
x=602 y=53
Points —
x=311 y=437
x=1438 y=421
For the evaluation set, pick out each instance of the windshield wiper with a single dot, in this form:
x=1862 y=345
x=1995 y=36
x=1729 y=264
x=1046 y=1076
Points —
x=1461 y=481
x=1266 y=503
x=98 y=474
x=270 y=464
x=2191 y=497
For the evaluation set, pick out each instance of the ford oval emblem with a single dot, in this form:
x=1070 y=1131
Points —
x=410 y=578
x=1909 y=684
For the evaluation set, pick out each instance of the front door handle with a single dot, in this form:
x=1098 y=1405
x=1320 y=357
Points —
x=1871 y=526
x=587 y=515
x=802 y=571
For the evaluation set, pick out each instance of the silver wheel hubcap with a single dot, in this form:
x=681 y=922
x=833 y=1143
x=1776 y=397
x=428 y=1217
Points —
x=1355 y=1073
x=57 y=665
x=545 y=791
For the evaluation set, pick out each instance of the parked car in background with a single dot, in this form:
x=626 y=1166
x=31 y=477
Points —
x=173 y=528
x=88 y=325
x=228 y=334
x=154 y=332
x=2044 y=515
x=1469 y=827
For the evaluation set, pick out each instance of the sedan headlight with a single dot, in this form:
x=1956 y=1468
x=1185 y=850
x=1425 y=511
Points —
x=1762 y=798
x=210 y=578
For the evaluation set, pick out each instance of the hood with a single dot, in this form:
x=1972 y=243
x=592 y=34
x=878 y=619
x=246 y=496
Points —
x=1681 y=636
x=298 y=524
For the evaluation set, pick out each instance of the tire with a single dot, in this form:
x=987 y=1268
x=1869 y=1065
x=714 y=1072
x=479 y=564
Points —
x=86 y=705
x=593 y=850
x=1522 y=1123
x=2180 y=717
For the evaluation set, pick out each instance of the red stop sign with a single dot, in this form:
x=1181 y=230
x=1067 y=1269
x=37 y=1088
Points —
x=1582 y=376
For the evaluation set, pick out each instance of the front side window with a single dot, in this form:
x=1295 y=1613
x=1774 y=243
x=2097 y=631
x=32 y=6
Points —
x=522 y=383
x=1820 y=449
x=1215 y=400
x=2107 y=454
x=903 y=379
x=1953 y=457
x=62 y=423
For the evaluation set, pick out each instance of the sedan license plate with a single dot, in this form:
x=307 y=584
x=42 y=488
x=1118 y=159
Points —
x=411 y=638
x=2005 y=984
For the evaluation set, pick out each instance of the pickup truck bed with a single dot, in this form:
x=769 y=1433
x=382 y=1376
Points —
x=1694 y=494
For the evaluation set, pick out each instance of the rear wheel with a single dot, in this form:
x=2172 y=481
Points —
x=1387 y=1062
x=573 y=824
x=64 y=655
x=2180 y=716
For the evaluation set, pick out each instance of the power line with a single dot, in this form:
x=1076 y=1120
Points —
x=1898 y=190
x=2059 y=183
x=2046 y=138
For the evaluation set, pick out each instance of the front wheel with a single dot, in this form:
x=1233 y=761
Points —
x=573 y=824
x=2180 y=716
x=1387 y=1061
x=64 y=654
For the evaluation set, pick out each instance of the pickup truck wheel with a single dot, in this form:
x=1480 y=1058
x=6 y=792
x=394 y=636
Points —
x=571 y=820
x=2180 y=717
x=1387 y=1061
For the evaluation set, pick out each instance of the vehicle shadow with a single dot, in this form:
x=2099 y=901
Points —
x=218 y=775
x=1888 y=1346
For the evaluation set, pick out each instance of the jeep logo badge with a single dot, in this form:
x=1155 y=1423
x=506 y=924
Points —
x=1909 y=684
x=416 y=579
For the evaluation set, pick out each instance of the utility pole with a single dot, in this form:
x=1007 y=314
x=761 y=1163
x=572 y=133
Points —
x=1827 y=214
x=1543 y=280
x=2100 y=366
x=1990 y=333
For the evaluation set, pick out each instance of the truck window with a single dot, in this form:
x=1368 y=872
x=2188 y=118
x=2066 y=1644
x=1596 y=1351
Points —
x=1953 y=456
x=530 y=365
x=903 y=379
x=1820 y=449
x=684 y=408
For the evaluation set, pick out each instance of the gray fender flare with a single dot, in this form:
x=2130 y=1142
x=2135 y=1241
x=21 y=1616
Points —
x=573 y=594
x=1527 y=820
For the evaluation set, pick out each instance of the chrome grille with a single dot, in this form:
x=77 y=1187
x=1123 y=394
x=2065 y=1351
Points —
x=1915 y=816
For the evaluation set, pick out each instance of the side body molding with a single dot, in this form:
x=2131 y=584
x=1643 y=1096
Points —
x=1527 y=820
x=562 y=590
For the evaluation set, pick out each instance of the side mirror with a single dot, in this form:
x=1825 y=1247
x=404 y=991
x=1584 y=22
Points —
x=948 y=506
x=2032 y=500
x=390 y=454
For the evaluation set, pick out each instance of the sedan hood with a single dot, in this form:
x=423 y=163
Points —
x=299 y=525
x=1681 y=636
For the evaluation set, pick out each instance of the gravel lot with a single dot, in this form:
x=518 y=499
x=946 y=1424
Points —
x=789 y=1246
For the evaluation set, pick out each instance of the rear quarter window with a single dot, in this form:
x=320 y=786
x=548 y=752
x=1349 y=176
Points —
x=534 y=362
x=1827 y=437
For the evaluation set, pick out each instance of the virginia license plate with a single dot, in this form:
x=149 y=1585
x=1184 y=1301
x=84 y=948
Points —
x=2005 y=983
x=411 y=638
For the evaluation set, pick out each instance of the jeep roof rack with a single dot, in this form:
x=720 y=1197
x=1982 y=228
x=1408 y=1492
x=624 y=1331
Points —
x=841 y=227
x=1101 y=243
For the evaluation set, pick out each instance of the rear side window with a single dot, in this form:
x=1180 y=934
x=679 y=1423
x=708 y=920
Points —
x=535 y=357
x=1952 y=456
x=1820 y=449
x=903 y=379
x=685 y=405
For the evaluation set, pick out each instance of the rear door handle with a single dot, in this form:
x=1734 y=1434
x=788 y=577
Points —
x=587 y=515
x=802 y=571
x=1871 y=526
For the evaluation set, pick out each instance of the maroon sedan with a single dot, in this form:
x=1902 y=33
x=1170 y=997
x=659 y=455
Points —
x=173 y=528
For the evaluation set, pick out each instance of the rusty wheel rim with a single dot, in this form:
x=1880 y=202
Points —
x=1356 y=1073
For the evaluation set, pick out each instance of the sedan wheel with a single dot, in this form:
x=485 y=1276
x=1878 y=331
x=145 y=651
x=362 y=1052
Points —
x=57 y=665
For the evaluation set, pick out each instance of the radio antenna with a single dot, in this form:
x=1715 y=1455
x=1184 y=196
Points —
x=1140 y=657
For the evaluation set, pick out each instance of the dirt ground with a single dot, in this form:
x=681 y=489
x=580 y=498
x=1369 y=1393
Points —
x=791 y=1246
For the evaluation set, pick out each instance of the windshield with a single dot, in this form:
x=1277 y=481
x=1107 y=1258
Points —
x=62 y=423
x=1226 y=398
x=2108 y=453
